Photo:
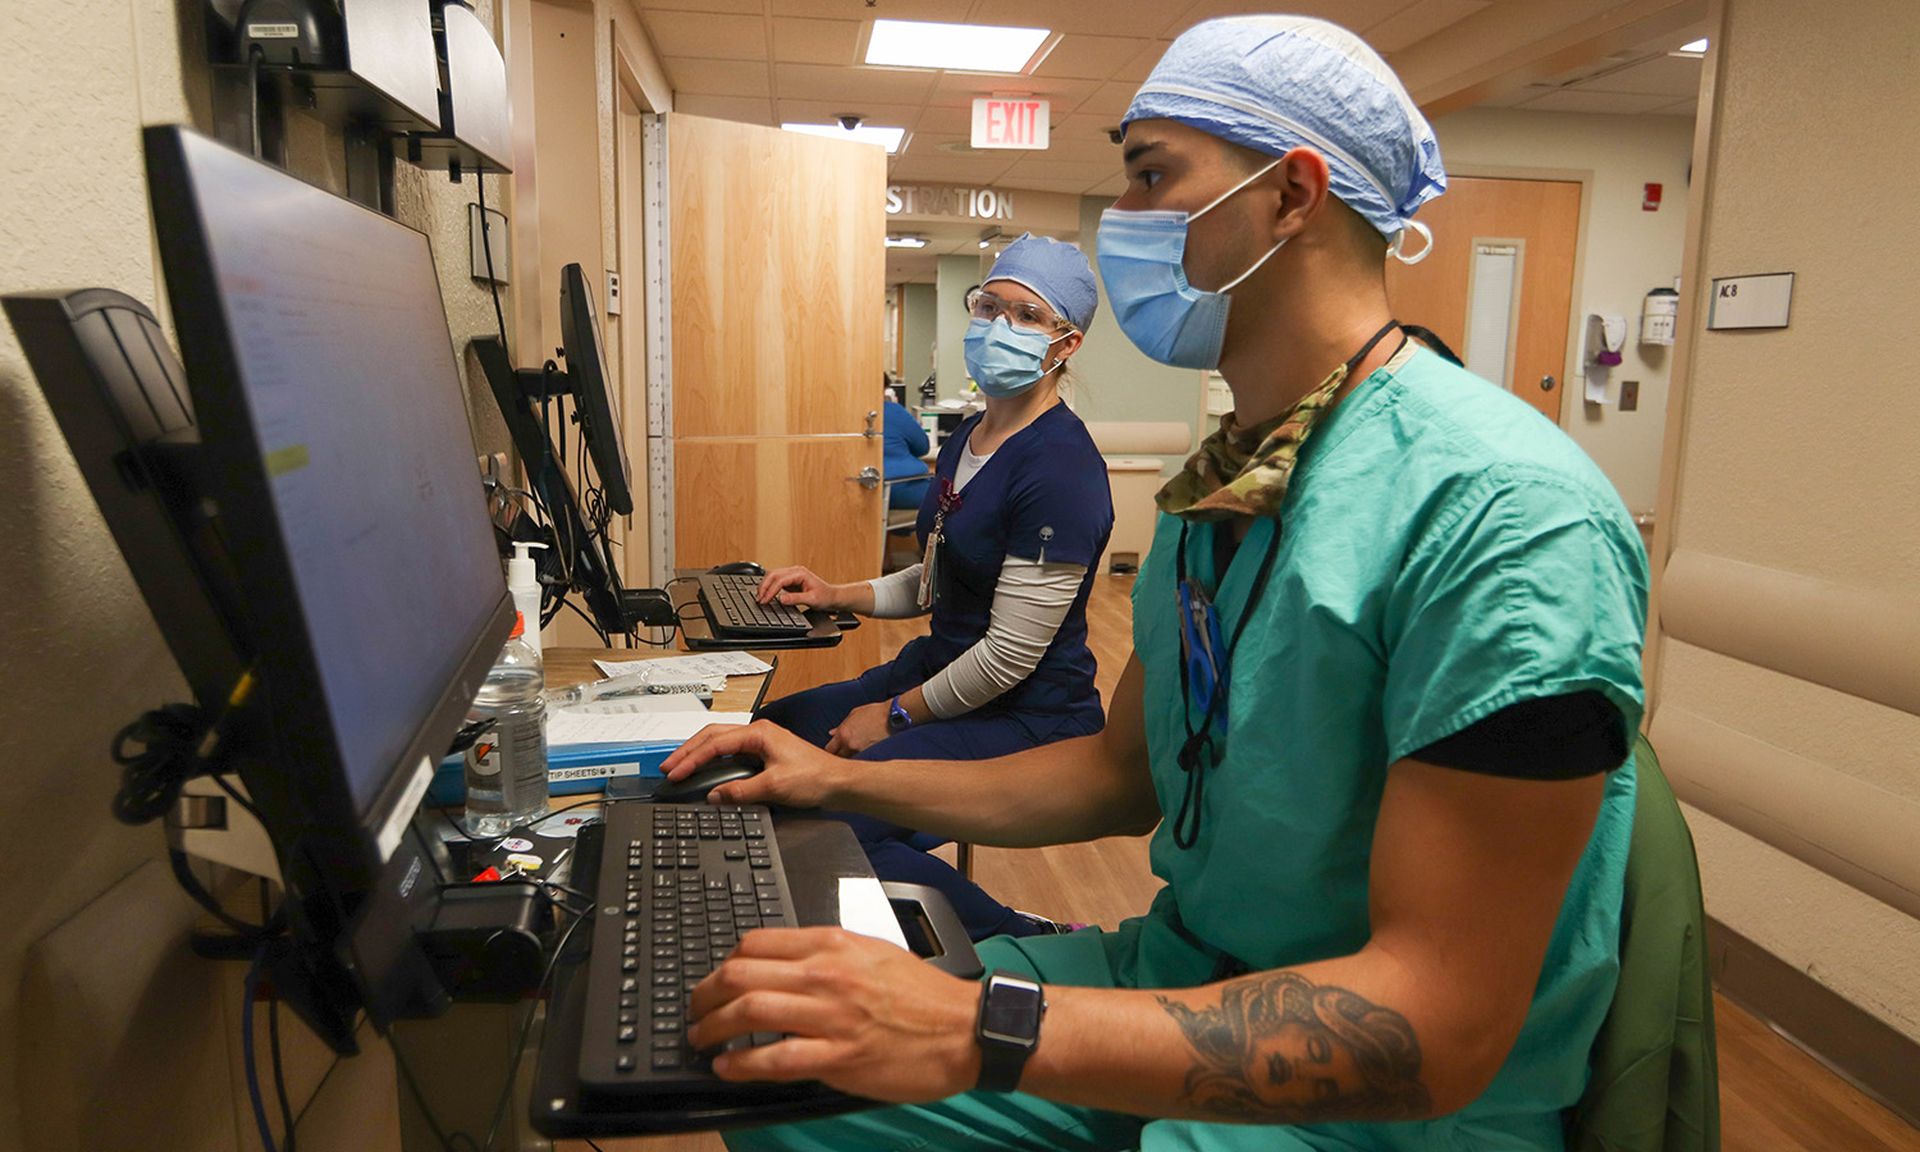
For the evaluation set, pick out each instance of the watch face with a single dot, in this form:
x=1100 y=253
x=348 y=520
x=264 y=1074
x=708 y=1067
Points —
x=1012 y=1012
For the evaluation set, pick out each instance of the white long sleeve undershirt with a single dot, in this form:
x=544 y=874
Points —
x=1030 y=602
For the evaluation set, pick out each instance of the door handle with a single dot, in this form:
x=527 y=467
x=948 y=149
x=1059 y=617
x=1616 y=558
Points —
x=1547 y=383
x=868 y=478
x=871 y=432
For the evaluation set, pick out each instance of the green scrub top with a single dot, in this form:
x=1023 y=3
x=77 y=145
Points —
x=1445 y=552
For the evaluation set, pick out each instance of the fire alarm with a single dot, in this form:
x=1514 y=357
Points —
x=1650 y=198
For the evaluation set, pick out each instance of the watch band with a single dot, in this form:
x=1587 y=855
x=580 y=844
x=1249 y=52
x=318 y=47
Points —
x=1008 y=1029
x=898 y=719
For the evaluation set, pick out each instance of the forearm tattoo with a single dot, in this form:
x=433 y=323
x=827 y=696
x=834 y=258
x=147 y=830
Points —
x=1280 y=1049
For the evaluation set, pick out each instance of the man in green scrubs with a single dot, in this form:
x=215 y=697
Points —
x=1386 y=669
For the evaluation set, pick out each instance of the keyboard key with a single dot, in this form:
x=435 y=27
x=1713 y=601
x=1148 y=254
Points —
x=625 y=1062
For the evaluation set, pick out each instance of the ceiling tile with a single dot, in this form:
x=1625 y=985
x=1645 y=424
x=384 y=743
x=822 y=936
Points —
x=1418 y=21
x=1573 y=100
x=1109 y=100
x=1044 y=184
x=939 y=10
x=742 y=108
x=648 y=7
x=801 y=41
x=1136 y=69
x=827 y=111
x=947 y=121
x=958 y=89
x=1355 y=14
x=1662 y=75
x=713 y=36
x=939 y=168
x=716 y=77
x=1090 y=57
x=1090 y=17
x=1109 y=188
x=858 y=84
x=1689 y=107
x=1516 y=97
x=1033 y=168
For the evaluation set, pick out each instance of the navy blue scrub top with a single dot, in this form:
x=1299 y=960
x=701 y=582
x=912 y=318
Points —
x=1042 y=496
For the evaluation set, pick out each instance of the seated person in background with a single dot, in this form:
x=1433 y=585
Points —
x=906 y=443
x=1018 y=514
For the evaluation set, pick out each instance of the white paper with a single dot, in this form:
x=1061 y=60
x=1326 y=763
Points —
x=699 y=666
x=865 y=909
x=575 y=727
x=634 y=705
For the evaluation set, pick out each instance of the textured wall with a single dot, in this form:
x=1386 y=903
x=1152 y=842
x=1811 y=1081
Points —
x=1627 y=252
x=916 y=346
x=83 y=76
x=1798 y=443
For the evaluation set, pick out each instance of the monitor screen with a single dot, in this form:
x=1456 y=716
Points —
x=353 y=394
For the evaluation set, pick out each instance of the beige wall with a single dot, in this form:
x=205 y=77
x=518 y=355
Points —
x=1795 y=453
x=111 y=1035
x=1627 y=252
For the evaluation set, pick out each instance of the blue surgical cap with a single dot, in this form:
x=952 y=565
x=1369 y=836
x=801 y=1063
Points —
x=1053 y=270
x=1276 y=83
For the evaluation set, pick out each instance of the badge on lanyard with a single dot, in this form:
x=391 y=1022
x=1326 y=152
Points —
x=948 y=501
x=1203 y=650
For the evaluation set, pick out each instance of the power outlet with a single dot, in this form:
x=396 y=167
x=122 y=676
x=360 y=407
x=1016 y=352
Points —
x=613 y=293
x=1629 y=395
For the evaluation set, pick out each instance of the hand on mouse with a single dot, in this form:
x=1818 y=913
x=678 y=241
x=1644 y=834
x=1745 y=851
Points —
x=796 y=585
x=794 y=772
x=864 y=727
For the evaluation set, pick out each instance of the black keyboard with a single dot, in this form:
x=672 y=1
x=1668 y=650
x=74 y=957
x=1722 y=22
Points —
x=678 y=885
x=734 y=612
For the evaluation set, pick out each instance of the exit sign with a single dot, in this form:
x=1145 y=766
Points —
x=1009 y=123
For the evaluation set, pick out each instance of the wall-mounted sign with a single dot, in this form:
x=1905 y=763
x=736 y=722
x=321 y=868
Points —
x=1751 y=301
x=1009 y=123
x=956 y=203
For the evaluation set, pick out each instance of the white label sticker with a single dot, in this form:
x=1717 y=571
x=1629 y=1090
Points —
x=274 y=31
x=594 y=771
x=396 y=823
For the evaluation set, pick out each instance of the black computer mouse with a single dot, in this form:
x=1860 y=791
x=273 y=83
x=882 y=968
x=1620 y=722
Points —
x=715 y=772
x=738 y=568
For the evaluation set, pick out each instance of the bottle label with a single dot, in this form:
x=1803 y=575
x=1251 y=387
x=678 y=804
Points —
x=483 y=756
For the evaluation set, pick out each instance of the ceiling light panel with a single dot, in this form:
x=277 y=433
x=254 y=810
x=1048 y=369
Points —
x=962 y=47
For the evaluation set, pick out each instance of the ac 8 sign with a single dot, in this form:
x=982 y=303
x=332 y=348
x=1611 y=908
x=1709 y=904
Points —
x=1009 y=123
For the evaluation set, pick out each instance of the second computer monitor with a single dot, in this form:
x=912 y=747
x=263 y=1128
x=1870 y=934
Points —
x=593 y=394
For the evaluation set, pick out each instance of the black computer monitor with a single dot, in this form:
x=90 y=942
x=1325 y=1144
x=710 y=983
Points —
x=593 y=395
x=577 y=558
x=336 y=446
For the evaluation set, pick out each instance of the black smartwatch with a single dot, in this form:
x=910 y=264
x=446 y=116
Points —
x=1008 y=1029
x=897 y=718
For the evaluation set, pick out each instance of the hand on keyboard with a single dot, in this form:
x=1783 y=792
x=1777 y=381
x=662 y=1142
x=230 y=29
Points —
x=858 y=1014
x=797 y=586
x=795 y=773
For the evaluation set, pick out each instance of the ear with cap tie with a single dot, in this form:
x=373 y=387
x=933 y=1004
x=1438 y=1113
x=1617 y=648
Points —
x=1395 y=249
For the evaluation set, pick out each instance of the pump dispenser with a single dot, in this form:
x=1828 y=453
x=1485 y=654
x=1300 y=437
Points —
x=524 y=585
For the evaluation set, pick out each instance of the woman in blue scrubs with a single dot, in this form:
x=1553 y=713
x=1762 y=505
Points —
x=1016 y=517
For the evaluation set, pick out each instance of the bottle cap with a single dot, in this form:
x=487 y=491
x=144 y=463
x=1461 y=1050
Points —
x=519 y=626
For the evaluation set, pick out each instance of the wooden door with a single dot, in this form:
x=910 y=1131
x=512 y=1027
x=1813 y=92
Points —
x=778 y=306
x=1543 y=217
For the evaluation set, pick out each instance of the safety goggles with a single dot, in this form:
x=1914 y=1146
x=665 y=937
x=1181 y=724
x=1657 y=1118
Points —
x=984 y=305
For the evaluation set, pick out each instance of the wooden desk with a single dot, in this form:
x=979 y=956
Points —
x=568 y=666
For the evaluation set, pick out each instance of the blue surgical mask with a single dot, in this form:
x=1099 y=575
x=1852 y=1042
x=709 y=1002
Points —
x=1143 y=264
x=1003 y=360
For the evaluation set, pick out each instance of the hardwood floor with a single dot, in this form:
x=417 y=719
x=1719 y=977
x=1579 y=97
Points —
x=1773 y=1096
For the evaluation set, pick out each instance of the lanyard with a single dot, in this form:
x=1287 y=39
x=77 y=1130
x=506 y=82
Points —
x=1205 y=664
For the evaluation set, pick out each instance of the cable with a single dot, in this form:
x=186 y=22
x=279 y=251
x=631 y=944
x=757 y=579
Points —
x=526 y=1031
x=419 y=1099
x=247 y=992
x=486 y=249
x=592 y=1145
x=253 y=96
x=287 y=1122
x=591 y=623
